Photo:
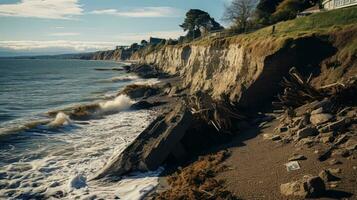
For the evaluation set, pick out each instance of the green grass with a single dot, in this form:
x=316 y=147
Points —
x=316 y=23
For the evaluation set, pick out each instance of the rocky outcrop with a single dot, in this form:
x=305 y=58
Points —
x=153 y=146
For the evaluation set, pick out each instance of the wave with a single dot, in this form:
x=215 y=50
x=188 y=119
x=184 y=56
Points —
x=60 y=120
x=123 y=78
x=121 y=102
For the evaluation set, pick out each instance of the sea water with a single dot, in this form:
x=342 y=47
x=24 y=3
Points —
x=57 y=159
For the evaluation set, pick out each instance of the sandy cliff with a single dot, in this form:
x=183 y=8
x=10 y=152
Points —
x=229 y=66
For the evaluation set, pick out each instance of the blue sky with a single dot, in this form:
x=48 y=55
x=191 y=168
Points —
x=61 y=26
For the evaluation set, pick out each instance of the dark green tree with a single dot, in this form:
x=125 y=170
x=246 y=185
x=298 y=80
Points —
x=197 y=20
x=265 y=9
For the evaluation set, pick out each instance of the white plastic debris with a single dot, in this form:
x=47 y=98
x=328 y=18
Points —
x=292 y=166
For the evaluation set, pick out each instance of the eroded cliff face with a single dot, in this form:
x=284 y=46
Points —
x=248 y=72
x=118 y=55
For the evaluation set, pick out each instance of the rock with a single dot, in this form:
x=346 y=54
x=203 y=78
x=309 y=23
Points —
x=317 y=111
x=308 y=187
x=327 y=176
x=144 y=71
x=321 y=118
x=351 y=144
x=283 y=129
x=334 y=126
x=306 y=132
x=335 y=170
x=139 y=91
x=276 y=137
x=334 y=162
x=307 y=141
x=153 y=146
x=296 y=157
x=145 y=105
x=333 y=184
x=326 y=139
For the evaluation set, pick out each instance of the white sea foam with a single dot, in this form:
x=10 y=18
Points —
x=150 y=81
x=60 y=120
x=124 y=78
x=121 y=102
x=68 y=159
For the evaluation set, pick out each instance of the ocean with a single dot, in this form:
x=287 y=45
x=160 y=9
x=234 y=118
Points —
x=40 y=161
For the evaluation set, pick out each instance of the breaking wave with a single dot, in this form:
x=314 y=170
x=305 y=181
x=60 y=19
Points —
x=60 y=120
x=121 y=102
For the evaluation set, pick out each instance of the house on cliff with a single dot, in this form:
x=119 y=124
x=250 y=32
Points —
x=335 y=4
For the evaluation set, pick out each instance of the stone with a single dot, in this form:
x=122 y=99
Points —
x=307 y=187
x=333 y=184
x=145 y=105
x=351 y=144
x=306 y=132
x=317 y=111
x=276 y=137
x=320 y=118
x=326 y=139
x=135 y=91
x=335 y=170
x=296 y=157
x=327 y=176
x=334 y=162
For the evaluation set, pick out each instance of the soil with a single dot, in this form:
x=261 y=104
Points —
x=258 y=170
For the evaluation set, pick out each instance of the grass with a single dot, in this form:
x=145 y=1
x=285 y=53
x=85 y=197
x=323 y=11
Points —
x=316 y=23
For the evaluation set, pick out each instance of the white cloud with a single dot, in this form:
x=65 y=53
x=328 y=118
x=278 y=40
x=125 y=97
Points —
x=64 y=34
x=128 y=38
x=80 y=46
x=49 y=9
x=141 y=12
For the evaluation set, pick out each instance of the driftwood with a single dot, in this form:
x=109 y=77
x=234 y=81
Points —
x=217 y=113
x=299 y=91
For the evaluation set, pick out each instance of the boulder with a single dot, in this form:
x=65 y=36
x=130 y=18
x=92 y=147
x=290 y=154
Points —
x=153 y=146
x=306 y=132
x=144 y=70
x=307 y=187
x=135 y=91
x=317 y=119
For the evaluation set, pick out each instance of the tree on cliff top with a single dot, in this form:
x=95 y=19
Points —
x=197 y=22
x=239 y=12
x=265 y=9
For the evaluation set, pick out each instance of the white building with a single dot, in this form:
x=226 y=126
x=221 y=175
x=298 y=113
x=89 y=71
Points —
x=334 y=4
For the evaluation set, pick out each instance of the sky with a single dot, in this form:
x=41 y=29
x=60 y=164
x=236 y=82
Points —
x=35 y=27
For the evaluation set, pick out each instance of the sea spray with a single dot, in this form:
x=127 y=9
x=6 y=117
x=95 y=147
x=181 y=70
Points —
x=121 y=102
x=60 y=120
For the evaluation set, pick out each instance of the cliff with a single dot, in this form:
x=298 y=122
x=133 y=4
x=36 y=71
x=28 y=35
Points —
x=247 y=68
